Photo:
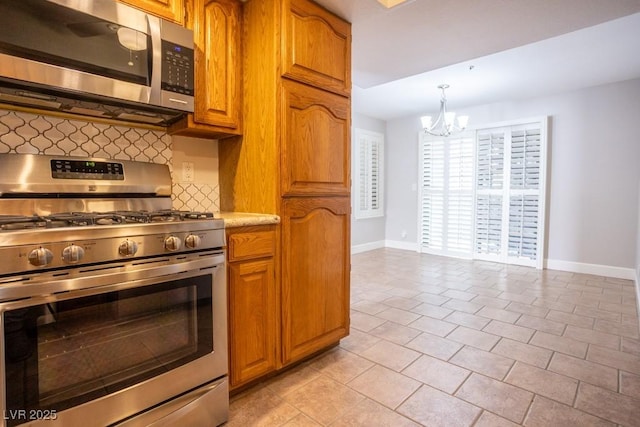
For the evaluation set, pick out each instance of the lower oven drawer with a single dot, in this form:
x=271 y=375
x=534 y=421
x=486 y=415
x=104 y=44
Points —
x=206 y=406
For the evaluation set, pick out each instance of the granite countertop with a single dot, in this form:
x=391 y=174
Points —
x=244 y=219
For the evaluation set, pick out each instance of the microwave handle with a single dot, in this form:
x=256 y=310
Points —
x=155 y=60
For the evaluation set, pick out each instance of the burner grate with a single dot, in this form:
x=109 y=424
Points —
x=84 y=219
x=176 y=215
x=20 y=222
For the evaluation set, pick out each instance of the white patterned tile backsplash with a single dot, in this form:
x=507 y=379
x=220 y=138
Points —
x=196 y=197
x=36 y=134
x=28 y=133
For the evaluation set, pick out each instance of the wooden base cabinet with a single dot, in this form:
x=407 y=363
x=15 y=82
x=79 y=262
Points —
x=253 y=310
x=315 y=278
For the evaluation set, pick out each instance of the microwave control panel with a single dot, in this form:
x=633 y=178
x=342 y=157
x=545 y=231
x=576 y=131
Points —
x=177 y=68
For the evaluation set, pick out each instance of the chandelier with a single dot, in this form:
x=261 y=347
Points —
x=444 y=125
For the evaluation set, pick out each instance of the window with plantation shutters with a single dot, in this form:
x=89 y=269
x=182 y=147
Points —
x=369 y=178
x=510 y=193
x=483 y=196
x=446 y=195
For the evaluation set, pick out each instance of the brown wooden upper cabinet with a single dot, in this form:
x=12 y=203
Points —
x=317 y=47
x=315 y=147
x=217 y=30
x=173 y=10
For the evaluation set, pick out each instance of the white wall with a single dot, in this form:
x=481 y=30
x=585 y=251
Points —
x=594 y=173
x=638 y=245
x=402 y=163
x=365 y=233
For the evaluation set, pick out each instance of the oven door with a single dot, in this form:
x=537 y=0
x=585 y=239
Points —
x=98 y=355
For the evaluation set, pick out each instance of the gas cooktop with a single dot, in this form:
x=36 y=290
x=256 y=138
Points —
x=83 y=219
x=68 y=212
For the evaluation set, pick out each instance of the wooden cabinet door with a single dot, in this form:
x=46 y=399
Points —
x=316 y=134
x=173 y=10
x=317 y=47
x=315 y=274
x=217 y=39
x=253 y=340
x=216 y=27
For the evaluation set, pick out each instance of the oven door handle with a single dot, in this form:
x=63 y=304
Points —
x=123 y=278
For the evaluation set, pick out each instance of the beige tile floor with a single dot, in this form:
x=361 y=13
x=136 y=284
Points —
x=444 y=342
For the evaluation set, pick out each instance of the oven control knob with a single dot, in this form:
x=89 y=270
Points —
x=128 y=248
x=172 y=243
x=192 y=241
x=72 y=254
x=40 y=257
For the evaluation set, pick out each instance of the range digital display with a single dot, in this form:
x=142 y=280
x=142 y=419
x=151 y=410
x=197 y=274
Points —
x=86 y=169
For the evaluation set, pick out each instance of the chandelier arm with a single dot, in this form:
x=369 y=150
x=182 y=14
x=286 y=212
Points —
x=443 y=111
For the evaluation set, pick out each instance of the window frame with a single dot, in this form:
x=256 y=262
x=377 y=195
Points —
x=369 y=139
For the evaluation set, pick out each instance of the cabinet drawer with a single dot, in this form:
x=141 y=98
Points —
x=251 y=245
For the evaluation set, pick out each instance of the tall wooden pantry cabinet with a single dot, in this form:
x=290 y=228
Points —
x=293 y=160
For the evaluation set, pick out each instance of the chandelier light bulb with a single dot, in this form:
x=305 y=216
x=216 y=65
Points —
x=426 y=121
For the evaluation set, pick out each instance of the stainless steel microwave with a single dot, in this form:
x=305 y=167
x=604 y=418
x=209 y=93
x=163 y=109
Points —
x=98 y=58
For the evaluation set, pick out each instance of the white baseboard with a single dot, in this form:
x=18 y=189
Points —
x=365 y=247
x=393 y=244
x=398 y=244
x=638 y=291
x=595 y=269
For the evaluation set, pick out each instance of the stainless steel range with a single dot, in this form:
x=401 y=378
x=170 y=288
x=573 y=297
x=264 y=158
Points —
x=112 y=305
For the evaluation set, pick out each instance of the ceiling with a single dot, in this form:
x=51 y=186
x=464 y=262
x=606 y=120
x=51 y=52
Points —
x=486 y=50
